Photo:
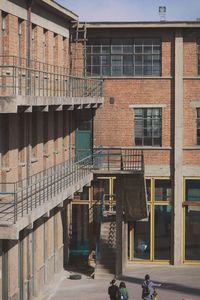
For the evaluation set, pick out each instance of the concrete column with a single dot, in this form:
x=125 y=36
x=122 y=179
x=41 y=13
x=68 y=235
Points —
x=178 y=145
x=119 y=221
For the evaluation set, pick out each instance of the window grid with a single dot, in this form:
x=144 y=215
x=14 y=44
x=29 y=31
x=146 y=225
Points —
x=139 y=57
x=148 y=124
x=198 y=126
x=198 y=56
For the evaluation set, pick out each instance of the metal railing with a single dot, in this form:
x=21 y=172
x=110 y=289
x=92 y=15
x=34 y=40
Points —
x=34 y=78
x=118 y=159
x=20 y=198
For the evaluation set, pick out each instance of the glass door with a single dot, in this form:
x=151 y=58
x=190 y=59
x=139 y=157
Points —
x=150 y=239
x=104 y=191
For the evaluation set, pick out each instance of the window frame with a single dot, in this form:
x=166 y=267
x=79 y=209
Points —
x=198 y=56
x=198 y=126
x=148 y=133
x=128 y=45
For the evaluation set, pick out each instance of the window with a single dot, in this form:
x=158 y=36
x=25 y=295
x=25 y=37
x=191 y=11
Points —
x=198 y=126
x=4 y=21
x=148 y=126
x=124 y=57
x=192 y=219
x=198 y=55
x=20 y=23
x=163 y=190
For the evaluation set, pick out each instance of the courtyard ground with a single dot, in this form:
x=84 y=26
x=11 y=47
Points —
x=178 y=283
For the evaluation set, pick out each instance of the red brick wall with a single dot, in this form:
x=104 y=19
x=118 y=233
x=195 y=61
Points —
x=114 y=123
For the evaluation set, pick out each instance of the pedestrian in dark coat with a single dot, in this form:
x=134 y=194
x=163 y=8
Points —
x=113 y=290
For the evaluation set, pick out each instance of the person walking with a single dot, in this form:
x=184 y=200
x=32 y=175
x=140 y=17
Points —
x=113 y=290
x=148 y=288
x=123 y=293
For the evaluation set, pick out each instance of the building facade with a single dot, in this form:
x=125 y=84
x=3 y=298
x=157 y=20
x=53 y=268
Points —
x=151 y=89
x=88 y=183
x=41 y=105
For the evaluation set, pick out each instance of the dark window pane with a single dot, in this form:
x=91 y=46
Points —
x=192 y=190
x=105 y=49
x=116 y=70
x=106 y=70
x=138 y=141
x=105 y=60
x=96 y=70
x=128 y=70
x=96 y=49
x=162 y=240
x=163 y=190
x=116 y=60
x=96 y=60
x=128 y=60
x=192 y=225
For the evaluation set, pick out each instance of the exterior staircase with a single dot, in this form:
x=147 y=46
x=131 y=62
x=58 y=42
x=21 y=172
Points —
x=105 y=264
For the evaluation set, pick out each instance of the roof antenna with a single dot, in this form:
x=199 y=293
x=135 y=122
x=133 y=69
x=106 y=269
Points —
x=162 y=13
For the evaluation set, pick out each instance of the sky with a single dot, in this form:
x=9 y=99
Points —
x=133 y=10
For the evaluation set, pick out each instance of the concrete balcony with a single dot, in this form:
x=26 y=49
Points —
x=23 y=202
x=25 y=85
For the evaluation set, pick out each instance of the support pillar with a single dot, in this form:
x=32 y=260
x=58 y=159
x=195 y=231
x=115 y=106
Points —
x=178 y=147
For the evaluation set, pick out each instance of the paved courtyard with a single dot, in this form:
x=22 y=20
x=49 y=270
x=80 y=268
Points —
x=178 y=283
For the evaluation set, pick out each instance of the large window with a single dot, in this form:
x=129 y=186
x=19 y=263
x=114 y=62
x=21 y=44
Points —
x=192 y=219
x=198 y=55
x=198 y=126
x=148 y=122
x=124 y=57
x=150 y=239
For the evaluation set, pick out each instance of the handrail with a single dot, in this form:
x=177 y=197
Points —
x=20 y=198
x=40 y=79
x=119 y=159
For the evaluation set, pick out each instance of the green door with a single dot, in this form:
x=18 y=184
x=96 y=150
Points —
x=83 y=140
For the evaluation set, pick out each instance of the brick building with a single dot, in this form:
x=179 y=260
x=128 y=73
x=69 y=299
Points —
x=80 y=181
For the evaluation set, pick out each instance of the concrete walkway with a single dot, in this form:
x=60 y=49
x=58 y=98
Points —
x=178 y=283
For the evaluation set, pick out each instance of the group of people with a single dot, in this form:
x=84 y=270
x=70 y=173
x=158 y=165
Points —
x=117 y=293
x=121 y=293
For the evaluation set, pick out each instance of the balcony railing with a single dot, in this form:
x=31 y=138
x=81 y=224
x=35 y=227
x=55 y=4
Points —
x=34 y=78
x=18 y=199
x=21 y=198
x=118 y=159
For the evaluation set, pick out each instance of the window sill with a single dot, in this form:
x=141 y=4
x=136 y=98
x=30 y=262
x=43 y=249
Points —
x=21 y=164
x=131 y=77
x=34 y=159
x=197 y=147
x=46 y=155
x=6 y=169
x=151 y=148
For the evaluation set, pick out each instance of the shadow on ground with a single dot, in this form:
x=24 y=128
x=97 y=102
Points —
x=168 y=286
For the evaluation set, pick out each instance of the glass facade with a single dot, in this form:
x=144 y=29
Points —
x=192 y=219
x=123 y=57
x=150 y=239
